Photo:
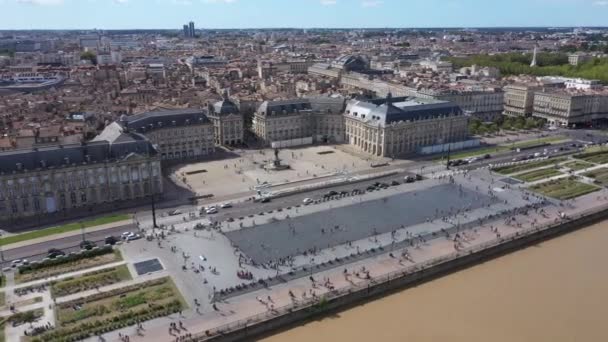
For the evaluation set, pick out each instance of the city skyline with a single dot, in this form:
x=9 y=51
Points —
x=222 y=14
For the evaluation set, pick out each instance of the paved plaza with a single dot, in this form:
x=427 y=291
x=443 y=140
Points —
x=245 y=171
x=327 y=228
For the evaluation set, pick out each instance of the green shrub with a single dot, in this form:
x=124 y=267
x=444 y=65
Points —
x=68 y=258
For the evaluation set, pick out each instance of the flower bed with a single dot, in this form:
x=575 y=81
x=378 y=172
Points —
x=89 y=281
x=104 y=312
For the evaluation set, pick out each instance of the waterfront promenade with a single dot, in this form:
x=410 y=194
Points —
x=256 y=307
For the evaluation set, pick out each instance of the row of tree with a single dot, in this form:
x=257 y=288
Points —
x=479 y=127
x=549 y=64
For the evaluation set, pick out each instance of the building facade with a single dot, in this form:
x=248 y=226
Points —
x=563 y=108
x=178 y=134
x=62 y=179
x=394 y=126
x=318 y=119
x=519 y=100
x=228 y=123
x=382 y=127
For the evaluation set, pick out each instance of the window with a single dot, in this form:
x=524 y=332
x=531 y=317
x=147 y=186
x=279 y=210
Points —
x=26 y=205
x=73 y=198
x=83 y=197
x=36 y=201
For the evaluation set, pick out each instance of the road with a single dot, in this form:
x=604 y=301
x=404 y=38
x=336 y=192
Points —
x=246 y=208
x=68 y=244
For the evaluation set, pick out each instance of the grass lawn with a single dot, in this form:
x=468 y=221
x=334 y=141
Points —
x=577 y=165
x=92 y=280
x=2 y=298
x=2 y=281
x=540 y=141
x=600 y=176
x=475 y=152
x=597 y=156
x=507 y=170
x=70 y=266
x=62 y=229
x=107 y=311
x=536 y=175
x=564 y=189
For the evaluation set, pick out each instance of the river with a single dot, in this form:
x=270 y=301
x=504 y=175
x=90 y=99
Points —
x=555 y=291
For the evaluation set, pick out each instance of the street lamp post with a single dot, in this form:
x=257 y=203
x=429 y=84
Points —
x=82 y=231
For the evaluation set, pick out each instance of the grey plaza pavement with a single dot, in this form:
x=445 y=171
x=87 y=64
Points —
x=325 y=229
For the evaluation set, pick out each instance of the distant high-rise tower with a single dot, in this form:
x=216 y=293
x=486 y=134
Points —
x=533 y=64
x=186 y=31
x=191 y=27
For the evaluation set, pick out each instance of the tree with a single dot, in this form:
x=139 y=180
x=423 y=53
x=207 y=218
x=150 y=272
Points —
x=89 y=55
x=530 y=123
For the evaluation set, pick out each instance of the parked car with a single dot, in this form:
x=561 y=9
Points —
x=331 y=194
x=54 y=252
x=211 y=210
x=133 y=236
x=307 y=201
x=174 y=212
x=409 y=179
x=226 y=205
x=86 y=244
x=111 y=240
x=395 y=183
x=19 y=262
x=265 y=200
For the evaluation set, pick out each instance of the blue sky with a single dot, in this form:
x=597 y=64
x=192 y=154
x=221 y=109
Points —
x=120 y=14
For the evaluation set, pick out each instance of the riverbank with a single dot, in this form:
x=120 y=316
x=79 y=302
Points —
x=383 y=284
x=552 y=291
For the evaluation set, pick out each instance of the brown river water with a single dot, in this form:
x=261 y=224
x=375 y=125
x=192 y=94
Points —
x=555 y=291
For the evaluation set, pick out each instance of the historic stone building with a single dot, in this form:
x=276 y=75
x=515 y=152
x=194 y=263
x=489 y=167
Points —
x=393 y=126
x=519 y=99
x=60 y=179
x=228 y=123
x=178 y=134
x=300 y=121
x=381 y=127
x=571 y=107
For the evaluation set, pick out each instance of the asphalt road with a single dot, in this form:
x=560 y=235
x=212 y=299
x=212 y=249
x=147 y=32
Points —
x=251 y=208
x=39 y=251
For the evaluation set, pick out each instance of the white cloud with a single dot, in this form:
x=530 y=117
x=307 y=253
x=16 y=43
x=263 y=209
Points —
x=371 y=3
x=328 y=2
x=42 y=2
x=120 y=1
x=600 y=3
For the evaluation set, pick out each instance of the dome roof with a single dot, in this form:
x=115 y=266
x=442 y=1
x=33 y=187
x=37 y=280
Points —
x=225 y=107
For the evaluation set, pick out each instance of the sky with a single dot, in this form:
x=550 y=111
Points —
x=166 y=14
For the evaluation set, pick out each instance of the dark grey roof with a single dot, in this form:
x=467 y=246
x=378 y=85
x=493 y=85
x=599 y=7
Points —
x=224 y=107
x=390 y=110
x=63 y=155
x=351 y=62
x=165 y=118
x=314 y=104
